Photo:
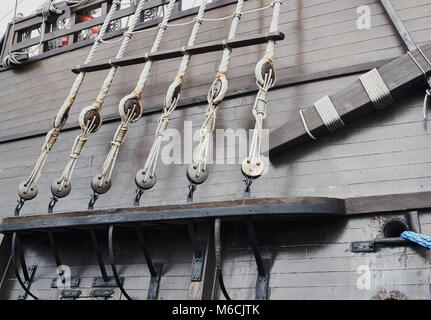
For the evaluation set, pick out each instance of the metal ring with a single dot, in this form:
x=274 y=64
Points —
x=113 y=265
x=15 y=267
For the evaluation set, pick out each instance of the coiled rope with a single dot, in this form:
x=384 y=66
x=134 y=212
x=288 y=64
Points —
x=27 y=190
x=252 y=166
x=90 y=118
x=428 y=90
x=423 y=240
x=197 y=172
x=146 y=177
x=130 y=109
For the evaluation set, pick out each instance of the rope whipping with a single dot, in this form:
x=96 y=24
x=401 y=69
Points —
x=197 y=172
x=252 y=166
x=376 y=89
x=423 y=240
x=428 y=90
x=90 y=118
x=146 y=177
x=27 y=190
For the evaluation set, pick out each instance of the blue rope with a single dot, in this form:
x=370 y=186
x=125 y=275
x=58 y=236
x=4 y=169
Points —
x=418 y=238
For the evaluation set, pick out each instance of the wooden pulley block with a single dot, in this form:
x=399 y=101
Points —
x=61 y=190
x=252 y=170
x=218 y=89
x=27 y=193
x=100 y=184
x=131 y=105
x=143 y=183
x=197 y=176
x=87 y=116
x=263 y=67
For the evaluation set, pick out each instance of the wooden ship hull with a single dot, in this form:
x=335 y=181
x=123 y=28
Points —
x=323 y=222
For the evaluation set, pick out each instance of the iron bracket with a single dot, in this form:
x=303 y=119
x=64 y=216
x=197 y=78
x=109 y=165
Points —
x=70 y=294
x=74 y=282
x=102 y=294
x=23 y=293
x=153 y=288
x=198 y=262
x=199 y=250
x=262 y=283
x=101 y=282
x=362 y=246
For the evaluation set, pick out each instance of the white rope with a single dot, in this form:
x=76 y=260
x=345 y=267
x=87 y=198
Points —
x=131 y=116
x=329 y=115
x=61 y=116
x=96 y=107
x=428 y=90
x=216 y=96
x=171 y=99
x=265 y=80
x=304 y=123
x=376 y=89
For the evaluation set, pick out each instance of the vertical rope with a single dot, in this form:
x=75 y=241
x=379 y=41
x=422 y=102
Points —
x=216 y=95
x=90 y=118
x=169 y=105
x=252 y=166
x=62 y=114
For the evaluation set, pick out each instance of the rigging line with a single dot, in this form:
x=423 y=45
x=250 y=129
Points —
x=146 y=177
x=130 y=109
x=28 y=189
x=90 y=118
x=197 y=172
x=252 y=166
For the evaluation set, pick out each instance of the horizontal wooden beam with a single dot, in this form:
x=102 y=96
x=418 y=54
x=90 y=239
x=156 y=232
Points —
x=207 y=47
x=180 y=214
x=351 y=102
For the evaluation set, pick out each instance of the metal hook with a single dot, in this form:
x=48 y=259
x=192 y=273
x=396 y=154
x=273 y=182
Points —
x=192 y=189
x=93 y=200
x=19 y=206
x=53 y=201
x=139 y=193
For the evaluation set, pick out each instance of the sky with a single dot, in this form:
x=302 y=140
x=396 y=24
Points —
x=26 y=7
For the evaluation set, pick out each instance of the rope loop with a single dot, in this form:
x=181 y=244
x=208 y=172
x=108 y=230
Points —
x=329 y=114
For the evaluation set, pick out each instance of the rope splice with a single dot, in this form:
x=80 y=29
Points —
x=252 y=166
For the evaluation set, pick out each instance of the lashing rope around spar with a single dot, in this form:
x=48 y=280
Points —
x=27 y=190
x=423 y=240
x=376 y=89
x=428 y=90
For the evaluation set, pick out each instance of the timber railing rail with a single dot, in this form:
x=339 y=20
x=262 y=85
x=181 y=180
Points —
x=34 y=21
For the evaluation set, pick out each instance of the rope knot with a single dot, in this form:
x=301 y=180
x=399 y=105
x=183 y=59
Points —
x=198 y=20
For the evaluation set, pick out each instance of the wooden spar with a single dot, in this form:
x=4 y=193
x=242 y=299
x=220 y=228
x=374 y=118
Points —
x=179 y=52
x=401 y=28
x=351 y=102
